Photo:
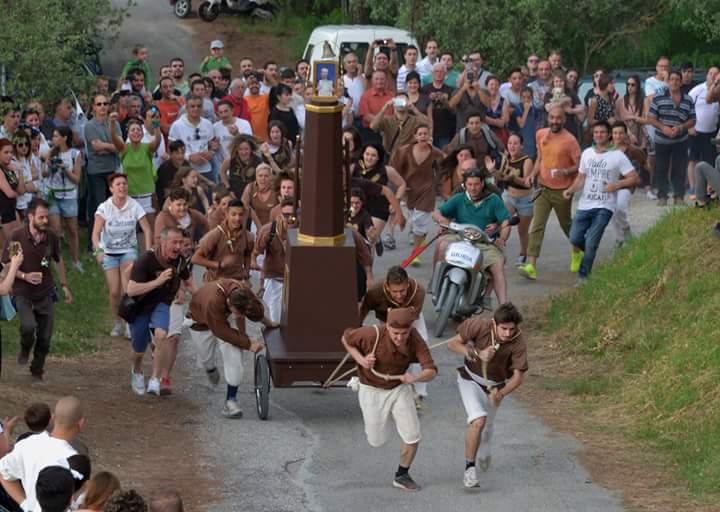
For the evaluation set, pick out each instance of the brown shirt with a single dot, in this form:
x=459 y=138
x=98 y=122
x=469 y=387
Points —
x=390 y=359
x=362 y=251
x=378 y=300
x=419 y=176
x=197 y=228
x=215 y=217
x=36 y=258
x=396 y=133
x=274 y=263
x=261 y=208
x=233 y=251
x=512 y=355
x=208 y=307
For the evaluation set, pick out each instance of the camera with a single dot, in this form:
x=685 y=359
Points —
x=399 y=102
x=56 y=161
x=471 y=76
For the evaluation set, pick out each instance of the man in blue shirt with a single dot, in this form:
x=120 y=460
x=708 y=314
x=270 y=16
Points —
x=479 y=206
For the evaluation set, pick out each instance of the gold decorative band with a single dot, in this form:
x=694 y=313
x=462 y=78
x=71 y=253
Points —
x=324 y=109
x=321 y=241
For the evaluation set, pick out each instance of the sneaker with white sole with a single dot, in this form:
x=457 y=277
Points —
x=137 y=381
x=406 y=483
x=470 y=478
x=485 y=463
x=117 y=329
x=651 y=195
x=232 y=409
x=153 y=387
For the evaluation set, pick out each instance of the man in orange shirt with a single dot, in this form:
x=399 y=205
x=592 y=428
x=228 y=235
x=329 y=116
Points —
x=557 y=165
x=375 y=98
x=259 y=108
x=168 y=105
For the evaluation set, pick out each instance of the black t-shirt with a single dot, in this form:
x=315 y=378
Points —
x=147 y=268
x=165 y=174
x=443 y=117
x=292 y=128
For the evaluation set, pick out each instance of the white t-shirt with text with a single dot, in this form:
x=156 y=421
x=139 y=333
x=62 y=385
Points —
x=224 y=137
x=119 y=234
x=599 y=170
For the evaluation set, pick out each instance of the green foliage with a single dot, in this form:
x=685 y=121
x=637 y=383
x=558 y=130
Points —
x=44 y=44
x=648 y=320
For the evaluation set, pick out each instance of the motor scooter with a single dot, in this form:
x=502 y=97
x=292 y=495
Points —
x=181 y=8
x=209 y=10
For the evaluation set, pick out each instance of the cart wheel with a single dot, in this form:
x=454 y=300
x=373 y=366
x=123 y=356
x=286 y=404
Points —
x=262 y=387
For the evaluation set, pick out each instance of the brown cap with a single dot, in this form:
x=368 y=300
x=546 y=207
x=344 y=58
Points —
x=401 y=318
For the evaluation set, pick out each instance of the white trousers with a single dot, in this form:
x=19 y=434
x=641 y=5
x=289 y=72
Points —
x=207 y=345
x=477 y=405
x=273 y=298
x=620 y=221
x=379 y=405
x=415 y=368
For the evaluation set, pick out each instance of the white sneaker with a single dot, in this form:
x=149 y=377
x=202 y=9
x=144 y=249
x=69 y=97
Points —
x=78 y=266
x=117 y=330
x=137 y=381
x=651 y=195
x=485 y=463
x=232 y=409
x=470 y=478
x=153 y=387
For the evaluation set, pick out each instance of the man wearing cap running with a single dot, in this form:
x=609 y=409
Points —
x=495 y=361
x=216 y=59
x=384 y=354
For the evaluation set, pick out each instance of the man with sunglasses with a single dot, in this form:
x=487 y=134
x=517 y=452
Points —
x=102 y=158
x=198 y=135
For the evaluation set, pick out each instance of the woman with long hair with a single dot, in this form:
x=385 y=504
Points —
x=630 y=109
x=602 y=105
x=278 y=150
x=572 y=80
x=351 y=135
x=497 y=110
x=259 y=197
x=99 y=489
x=451 y=174
x=189 y=179
x=422 y=102
x=24 y=158
x=283 y=112
x=64 y=164
x=114 y=241
x=371 y=167
x=238 y=169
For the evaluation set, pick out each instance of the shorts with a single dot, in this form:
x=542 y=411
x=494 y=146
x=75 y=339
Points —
x=377 y=405
x=700 y=149
x=523 y=205
x=420 y=222
x=177 y=316
x=8 y=217
x=145 y=201
x=158 y=318
x=477 y=405
x=491 y=255
x=112 y=261
x=65 y=207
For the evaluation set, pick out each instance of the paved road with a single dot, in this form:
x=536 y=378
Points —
x=312 y=454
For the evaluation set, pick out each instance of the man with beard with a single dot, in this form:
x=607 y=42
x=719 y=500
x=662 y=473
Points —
x=258 y=106
x=478 y=206
x=495 y=361
x=556 y=166
x=271 y=242
x=178 y=75
x=34 y=286
x=226 y=250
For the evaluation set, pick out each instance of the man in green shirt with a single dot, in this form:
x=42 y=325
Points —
x=216 y=59
x=479 y=206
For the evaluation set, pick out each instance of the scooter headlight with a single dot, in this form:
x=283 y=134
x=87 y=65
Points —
x=472 y=234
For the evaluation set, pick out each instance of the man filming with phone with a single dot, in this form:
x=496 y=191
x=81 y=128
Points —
x=377 y=59
x=399 y=129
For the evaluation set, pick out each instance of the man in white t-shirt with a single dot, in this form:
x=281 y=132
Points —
x=602 y=172
x=198 y=135
x=228 y=127
x=19 y=469
x=353 y=81
x=424 y=67
x=706 y=120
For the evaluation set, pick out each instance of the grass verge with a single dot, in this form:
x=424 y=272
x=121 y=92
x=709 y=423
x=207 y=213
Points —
x=77 y=325
x=646 y=328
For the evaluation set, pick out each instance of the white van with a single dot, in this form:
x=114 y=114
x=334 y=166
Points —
x=344 y=39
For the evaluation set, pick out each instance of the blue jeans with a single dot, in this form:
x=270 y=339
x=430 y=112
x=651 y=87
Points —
x=586 y=232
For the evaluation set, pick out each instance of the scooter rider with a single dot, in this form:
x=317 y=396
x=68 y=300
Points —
x=477 y=205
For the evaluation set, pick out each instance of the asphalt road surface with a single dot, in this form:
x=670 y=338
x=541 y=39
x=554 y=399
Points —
x=312 y=454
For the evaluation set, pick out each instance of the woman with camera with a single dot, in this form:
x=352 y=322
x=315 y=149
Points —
x=62 y=175
x=12 y=185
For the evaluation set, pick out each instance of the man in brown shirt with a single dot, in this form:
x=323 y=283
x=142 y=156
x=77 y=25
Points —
x=495 y=360
x=398 y=291
x=34 y=286
x=271 y=241
x=225 y=251
x=398 y=130
x=210 y=308
x=384 y=355
x=417 y=164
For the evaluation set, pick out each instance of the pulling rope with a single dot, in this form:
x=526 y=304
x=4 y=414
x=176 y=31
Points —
x=493 y=390
x=419 y=250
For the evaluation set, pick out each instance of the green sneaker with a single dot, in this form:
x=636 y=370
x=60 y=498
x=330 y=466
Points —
x=528 y=271
x=576 y=260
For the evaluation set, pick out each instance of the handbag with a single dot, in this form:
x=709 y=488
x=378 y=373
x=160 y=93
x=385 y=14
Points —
x=129 y=308
x=7 y=311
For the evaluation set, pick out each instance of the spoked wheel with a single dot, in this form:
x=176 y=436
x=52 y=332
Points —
x=262 y=387
x=209 y=11
x=182 y=8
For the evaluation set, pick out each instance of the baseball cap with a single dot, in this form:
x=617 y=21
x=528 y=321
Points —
x=217 y=44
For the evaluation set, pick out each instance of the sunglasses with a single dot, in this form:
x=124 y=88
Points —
x=102 y=104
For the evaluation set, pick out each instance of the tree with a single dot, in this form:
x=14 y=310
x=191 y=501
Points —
x=45 y=43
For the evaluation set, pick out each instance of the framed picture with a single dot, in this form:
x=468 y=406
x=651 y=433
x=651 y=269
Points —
x=325 y=74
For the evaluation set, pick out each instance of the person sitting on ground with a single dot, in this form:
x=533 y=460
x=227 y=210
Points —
x=126 y=501
x=98 y=491
x=54 y=489
x=20 y=468
x=166 y=501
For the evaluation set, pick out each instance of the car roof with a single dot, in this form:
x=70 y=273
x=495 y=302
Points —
x=361 y=32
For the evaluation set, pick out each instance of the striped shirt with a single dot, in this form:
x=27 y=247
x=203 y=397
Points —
x=663 y=109
x=402 y=77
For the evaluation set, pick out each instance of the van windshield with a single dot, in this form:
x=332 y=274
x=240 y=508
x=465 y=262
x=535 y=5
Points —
x=360 y=49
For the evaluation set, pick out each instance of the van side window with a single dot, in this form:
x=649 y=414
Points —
x=308 y=52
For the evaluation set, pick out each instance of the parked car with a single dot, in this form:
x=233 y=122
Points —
x=344 y=39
